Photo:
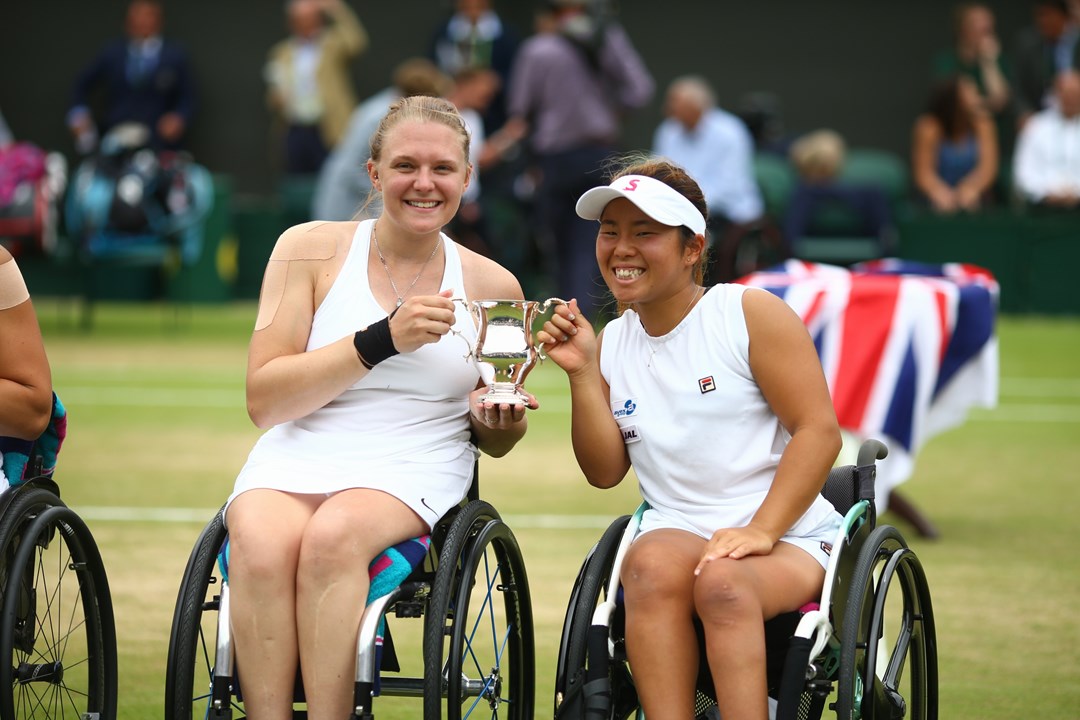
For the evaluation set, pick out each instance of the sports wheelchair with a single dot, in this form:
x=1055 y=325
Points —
x=469 y=587
x=57 y=632
x=877 y=649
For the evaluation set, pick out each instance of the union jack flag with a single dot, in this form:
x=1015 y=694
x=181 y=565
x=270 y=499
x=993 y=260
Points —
x=907 y=348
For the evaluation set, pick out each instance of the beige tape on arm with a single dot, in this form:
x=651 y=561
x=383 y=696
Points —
x=312 y=241
x=12 y=286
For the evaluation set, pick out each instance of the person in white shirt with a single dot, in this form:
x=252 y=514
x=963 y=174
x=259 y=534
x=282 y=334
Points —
x=373 y=421
x=716 y=397
x=1046 y=165
x=715 y=148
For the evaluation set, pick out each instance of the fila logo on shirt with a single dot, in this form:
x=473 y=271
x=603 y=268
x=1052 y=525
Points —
x=706 y=384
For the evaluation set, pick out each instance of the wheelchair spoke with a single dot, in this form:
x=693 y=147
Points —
x=60 y=649
x=487 y=605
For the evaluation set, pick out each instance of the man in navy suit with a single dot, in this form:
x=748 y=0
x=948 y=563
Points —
x=146 y=79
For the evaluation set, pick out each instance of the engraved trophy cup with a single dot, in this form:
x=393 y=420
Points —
x=505 y=341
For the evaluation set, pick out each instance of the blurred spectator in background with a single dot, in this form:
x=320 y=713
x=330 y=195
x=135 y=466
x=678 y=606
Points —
x=343 y=189
x=954 y=153
x=1046 y=167
x=572 y=83
x=818 y=158
x=473 y=91
x=309 y=87
x=1043 y=51
x=146 y=79
x=714 y=147
x=976 y=54
x=474 y=36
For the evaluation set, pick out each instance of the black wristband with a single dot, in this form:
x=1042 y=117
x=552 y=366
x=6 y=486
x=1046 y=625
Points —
x=374 y=343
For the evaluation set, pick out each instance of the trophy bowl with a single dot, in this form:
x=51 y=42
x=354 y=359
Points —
x=505 y=341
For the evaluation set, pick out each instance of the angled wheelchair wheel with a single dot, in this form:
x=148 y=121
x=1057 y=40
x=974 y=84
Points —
x=588 y=592
x=57 y=632
x=479 y=659
x=189 y=670
x=888 y=646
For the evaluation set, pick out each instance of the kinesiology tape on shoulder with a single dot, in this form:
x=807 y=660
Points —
x=12 y=286
x=312 y=244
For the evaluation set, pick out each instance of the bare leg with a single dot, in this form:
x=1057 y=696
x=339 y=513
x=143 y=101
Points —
x=658 y=582
x=265 y=527
x=733 y=598
x=347 y=532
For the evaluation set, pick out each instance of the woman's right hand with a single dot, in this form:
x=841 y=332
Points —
x=422 y=320
x=943 y=199
x=568 y=338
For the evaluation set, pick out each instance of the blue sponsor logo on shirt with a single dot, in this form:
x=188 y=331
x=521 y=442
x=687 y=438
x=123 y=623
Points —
x=625 y=410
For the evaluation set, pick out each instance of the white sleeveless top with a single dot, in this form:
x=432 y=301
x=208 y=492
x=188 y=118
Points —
x=703 y=441
x=403 y=428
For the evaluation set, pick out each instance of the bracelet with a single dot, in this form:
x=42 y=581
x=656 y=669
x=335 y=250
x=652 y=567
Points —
x=374 y=343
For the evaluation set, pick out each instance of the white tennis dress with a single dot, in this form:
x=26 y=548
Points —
x=703 y=441
x=403 y=428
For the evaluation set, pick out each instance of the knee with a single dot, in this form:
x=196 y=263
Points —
x=262 y=554
x=330 y=546
x=722 y=592
x=650 y=576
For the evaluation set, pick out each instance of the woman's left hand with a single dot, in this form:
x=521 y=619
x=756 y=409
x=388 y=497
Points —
x=499 y=416
x=735 y=543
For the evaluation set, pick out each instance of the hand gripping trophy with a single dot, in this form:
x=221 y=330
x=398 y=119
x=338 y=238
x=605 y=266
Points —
x=505 y=341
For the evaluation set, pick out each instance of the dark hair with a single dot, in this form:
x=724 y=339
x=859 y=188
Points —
x=945 y=106
x=678 y=179
x=1062 y=6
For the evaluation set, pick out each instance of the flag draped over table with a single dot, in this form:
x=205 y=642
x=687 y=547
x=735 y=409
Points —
x=907 y=348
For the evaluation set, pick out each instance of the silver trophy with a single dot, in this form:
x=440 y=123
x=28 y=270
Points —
x=505 y=341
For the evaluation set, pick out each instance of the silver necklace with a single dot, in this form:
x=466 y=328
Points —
x=654 y=343
x=390 y=277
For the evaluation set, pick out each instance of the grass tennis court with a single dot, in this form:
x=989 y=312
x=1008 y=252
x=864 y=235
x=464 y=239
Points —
x=158 y=430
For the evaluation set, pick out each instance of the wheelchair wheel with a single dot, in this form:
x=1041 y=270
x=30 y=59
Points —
x=588 y=593
x=479 y=658
x=194 y=631
x=57 y=632
x=888 y=646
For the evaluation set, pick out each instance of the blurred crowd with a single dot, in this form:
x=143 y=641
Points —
x=546 y=109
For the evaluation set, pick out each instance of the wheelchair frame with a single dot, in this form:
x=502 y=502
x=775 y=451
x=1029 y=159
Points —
x=472 y=551
x=840 y=643
x=59 y=662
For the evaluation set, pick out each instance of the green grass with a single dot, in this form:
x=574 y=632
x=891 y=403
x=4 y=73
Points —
x=157 y=420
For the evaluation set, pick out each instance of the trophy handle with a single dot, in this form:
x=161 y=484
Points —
x=474 y=311
x=543 y=309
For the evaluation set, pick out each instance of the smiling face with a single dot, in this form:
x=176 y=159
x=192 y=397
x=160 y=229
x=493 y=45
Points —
x=422 y=172
x=642 y=260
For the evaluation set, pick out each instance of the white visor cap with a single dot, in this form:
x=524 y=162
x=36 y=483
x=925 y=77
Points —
x=657 y=199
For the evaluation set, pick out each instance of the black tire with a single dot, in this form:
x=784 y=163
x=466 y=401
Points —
x=589 y=590
x=194 y=630
x=909 y=682
x=479 y=628
x=57 y=630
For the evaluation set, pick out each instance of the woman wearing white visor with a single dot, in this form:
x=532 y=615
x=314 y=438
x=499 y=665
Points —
x=717 y=398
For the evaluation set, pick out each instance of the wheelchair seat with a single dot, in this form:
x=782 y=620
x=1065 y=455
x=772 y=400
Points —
x=835 y=649
x=57 y=632
x=466 y=581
